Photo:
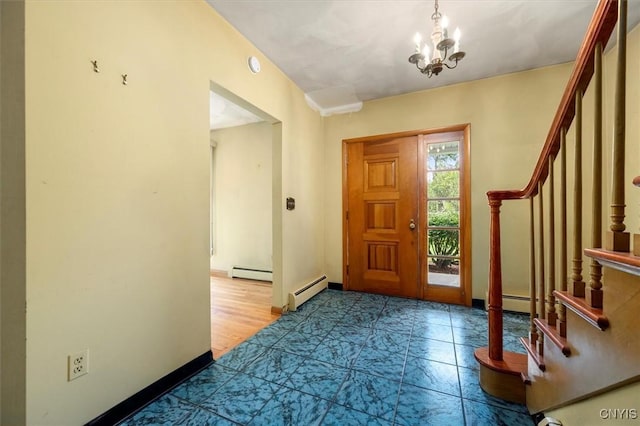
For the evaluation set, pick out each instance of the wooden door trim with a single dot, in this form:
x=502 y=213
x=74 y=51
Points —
x=422 y=218
x=409 y=133
x=345 y=224
x=466 y=208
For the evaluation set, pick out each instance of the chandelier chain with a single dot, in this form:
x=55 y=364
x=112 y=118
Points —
x=436 y=15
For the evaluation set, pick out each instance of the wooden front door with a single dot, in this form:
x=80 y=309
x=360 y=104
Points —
x=407 y=216
x=382 y=214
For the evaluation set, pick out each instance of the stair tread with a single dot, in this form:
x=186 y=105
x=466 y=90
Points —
x=623 y=261
x=511 y=363
x=533 y=353
x=554 y=335
x=593 y=316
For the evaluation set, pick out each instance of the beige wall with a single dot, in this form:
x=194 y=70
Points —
x=242 y=193
x=509 y=117
x=12 y=214
x=117 y=187
x=117 y=192
x=601 y=410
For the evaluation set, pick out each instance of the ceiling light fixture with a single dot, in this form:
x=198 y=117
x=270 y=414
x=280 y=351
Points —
x=442 y=45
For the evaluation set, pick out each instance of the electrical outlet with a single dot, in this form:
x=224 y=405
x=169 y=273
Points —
x=78 y=364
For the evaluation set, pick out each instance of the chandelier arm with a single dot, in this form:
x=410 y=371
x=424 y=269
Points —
x=427 y=70
x=450 y=67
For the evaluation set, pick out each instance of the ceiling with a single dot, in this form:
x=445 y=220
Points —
x=223 y=113
x=344 y=51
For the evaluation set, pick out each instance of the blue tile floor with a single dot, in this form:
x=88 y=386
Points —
x=349 y=358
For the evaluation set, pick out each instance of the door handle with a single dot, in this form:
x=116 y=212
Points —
x=412 y=225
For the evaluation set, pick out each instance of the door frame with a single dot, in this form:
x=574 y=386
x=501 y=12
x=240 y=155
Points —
x=465 y=209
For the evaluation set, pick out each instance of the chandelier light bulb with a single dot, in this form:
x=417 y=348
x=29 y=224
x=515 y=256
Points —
x=417 y=39
x=456 y=38
x=445 y=25
x=425 y=52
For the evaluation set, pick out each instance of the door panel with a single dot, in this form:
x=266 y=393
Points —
x=383 y=187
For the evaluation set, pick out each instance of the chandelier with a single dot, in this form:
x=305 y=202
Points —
x=442 y=46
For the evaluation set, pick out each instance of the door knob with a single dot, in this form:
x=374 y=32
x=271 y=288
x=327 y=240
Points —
x=412 y=225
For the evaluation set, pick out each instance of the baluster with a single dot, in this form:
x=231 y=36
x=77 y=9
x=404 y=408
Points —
x=562 y=310
x=533 y=332
x=617 y=239
x=541 y=310
x=495 y=284
x=551 y=300
x=595 y=283
x=576 y=277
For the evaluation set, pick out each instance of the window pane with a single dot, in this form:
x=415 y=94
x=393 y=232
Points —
x=443 y=155
x=445 y=242
x=448 y=277
x=443 y=184
x=443 y=213
x=443 y=263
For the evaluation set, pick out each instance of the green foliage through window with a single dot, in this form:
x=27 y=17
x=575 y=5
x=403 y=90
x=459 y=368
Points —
x=444 y=242
x=443 y=206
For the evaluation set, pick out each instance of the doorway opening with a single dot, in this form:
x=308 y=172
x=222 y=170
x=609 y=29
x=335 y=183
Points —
x=244 y=255
x=407 y=221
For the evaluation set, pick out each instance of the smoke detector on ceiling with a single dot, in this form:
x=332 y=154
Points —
x=254 y=64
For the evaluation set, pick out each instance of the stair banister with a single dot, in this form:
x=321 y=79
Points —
x=576 y=276
x=562 y=311
x=552 y=316
x=598 y=32
x=617 y=239
x=595 y=269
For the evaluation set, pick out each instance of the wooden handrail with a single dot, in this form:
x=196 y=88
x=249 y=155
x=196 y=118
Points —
x=600 y=29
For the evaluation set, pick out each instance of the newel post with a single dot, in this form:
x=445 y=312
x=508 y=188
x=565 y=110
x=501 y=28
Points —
x=495 y=284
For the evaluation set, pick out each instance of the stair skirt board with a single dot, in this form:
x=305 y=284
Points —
x=251 y=274
x=306 y=292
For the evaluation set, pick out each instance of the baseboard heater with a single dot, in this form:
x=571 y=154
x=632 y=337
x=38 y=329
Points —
x=513 y=302
x=251 y=274
x=306 y=292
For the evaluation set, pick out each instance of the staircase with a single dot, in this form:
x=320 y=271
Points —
x=583 y=339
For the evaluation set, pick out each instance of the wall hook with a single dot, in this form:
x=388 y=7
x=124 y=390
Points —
x=124 y=79
x=95 y=66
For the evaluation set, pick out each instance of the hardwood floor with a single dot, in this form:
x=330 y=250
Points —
x=239 y=309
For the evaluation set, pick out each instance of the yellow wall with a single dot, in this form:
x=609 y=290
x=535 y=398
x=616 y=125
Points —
x=12 y=214
x=619 y=407
x=509 y=117
x=242 y=193
x=118 y=187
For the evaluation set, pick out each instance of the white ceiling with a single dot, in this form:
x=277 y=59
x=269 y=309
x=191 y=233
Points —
x=223 y=113
x=358 y=49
